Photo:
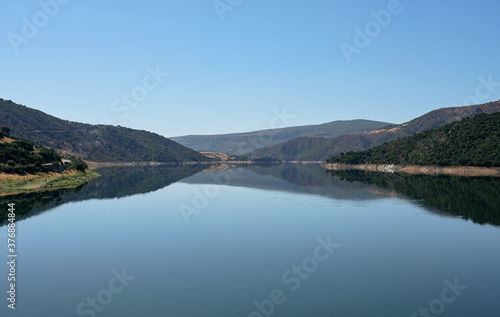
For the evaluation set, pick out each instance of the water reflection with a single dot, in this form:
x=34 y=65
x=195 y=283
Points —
x=476 y=199
x=115 y=182
x=309 y=179
x=472 y=198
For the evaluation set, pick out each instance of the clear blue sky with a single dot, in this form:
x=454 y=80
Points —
x=228 y=76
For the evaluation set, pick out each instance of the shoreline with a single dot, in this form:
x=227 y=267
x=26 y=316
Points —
x=94 y=165
x=471 y=171
x=11 y=184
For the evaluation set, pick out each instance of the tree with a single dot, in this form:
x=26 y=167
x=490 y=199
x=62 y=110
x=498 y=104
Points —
x=77 y=163
x=5 y=131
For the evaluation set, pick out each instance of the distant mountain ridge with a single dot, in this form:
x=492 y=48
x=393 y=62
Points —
x=312 y=149
x=101 y=143
x=242 y=143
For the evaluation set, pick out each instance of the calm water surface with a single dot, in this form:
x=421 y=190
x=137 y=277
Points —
x=285 y=240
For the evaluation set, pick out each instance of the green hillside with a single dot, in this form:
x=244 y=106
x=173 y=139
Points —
x=242 y=143
x=101 y=143
x=20 y=156
x=324 y=148
x=472 y=141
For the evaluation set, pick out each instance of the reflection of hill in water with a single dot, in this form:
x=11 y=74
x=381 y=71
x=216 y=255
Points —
x=474 y=198
x=309 y=179
x=115 y=182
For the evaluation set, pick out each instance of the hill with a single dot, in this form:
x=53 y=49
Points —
x=18 y=156
x=308 y=149
x=472 y=141
x=242 y=143
x=101 y=143
x=25 y=167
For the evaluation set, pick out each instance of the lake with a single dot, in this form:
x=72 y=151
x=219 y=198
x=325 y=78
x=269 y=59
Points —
x=259 y=241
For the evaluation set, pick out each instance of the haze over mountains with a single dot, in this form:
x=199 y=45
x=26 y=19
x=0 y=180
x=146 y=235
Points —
x=243 y=143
